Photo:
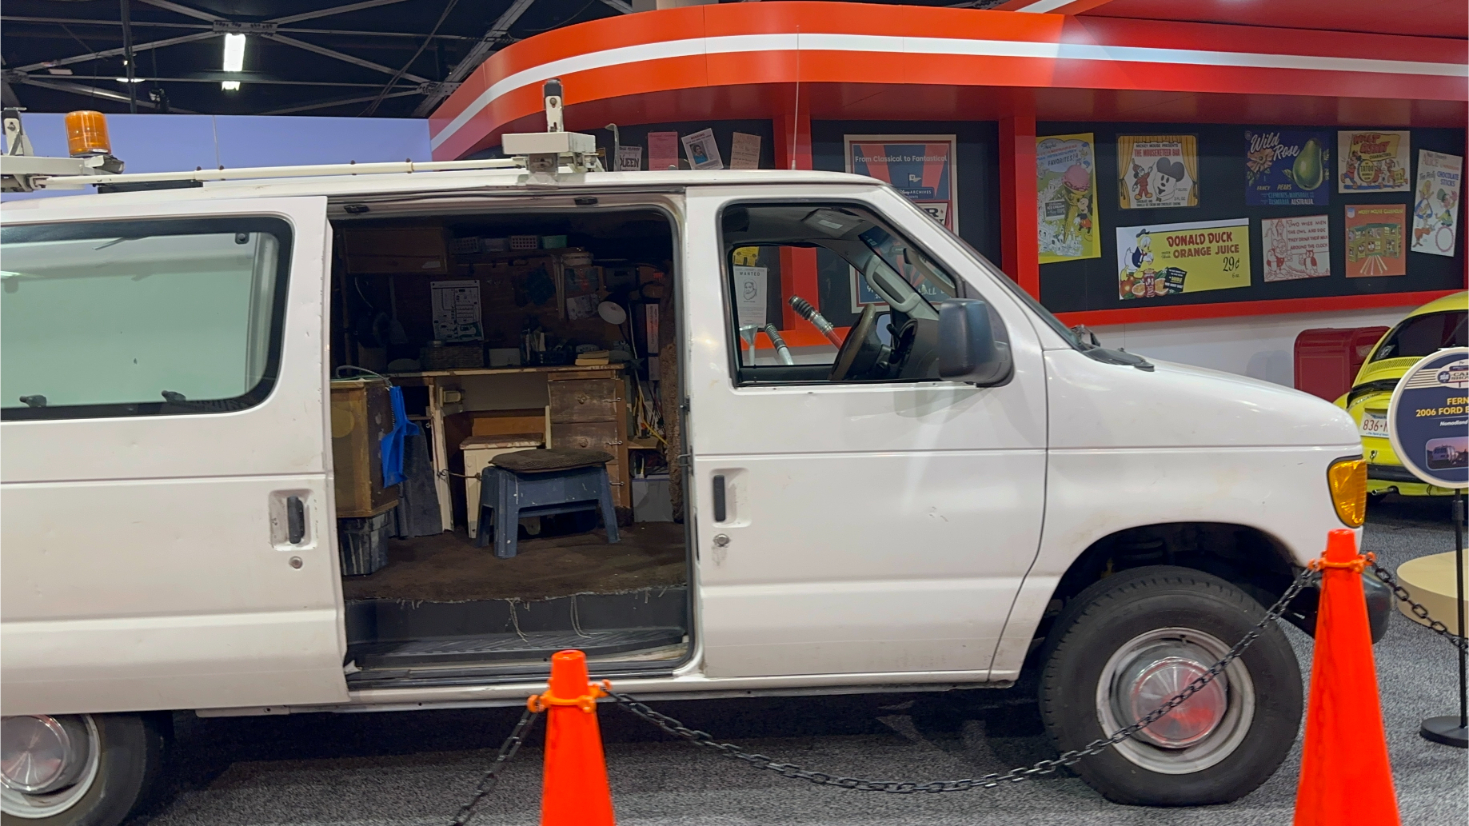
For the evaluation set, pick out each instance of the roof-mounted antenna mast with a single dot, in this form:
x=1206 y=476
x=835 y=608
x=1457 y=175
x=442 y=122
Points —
x=547 y=152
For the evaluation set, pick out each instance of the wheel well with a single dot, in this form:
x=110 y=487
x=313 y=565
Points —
x=1247 y=557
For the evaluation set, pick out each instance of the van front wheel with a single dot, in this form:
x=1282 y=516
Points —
x=77 y=769
x=1128 y=644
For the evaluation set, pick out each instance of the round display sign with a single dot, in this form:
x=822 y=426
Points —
x=1428 y=419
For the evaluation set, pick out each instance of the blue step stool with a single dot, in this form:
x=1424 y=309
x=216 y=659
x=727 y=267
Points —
x=541 y=483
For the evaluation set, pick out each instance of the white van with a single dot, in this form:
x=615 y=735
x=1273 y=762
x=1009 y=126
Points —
x=961 y=490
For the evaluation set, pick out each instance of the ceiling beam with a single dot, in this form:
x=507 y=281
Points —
x=187 y=11
x=619 y=5
x=326 y=104
x=345 y=58
x=88 y=91
x=139 y=47
x=312 y=15
x=87 y=21
x=486 y=45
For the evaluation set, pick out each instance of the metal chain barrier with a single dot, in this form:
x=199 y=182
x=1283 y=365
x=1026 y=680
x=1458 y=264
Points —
x=507 y=753
x=989 y=781
x=1419 y=611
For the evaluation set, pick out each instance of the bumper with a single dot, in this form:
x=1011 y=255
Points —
x=1302 y=611
x=1397 y=479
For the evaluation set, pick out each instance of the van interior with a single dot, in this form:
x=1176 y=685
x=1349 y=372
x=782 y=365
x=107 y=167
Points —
x=539 y=334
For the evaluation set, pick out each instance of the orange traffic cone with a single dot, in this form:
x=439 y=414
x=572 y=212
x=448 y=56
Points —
x=574 y=789
x=1345 y=775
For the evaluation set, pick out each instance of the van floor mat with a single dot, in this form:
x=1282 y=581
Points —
x=534 y=645
x=447 y=567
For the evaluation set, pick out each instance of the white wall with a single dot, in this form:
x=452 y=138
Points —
x=1261 y=347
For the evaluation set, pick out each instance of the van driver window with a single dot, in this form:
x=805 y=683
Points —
x=823 y=294
x=140 y=318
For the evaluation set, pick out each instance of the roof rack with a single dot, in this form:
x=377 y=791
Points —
x=543 y=155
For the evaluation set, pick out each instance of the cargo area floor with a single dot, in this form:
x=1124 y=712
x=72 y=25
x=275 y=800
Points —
x=448 y=567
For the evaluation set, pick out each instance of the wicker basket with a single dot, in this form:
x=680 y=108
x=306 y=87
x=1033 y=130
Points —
x=452 y=357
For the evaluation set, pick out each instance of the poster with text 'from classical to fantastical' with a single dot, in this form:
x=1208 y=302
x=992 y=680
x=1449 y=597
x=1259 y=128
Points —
x=1285 y=167
x=1296 y=247
x=1375 y=244
x=1157 y=171
x=1167 y=259
x=1372 y=161
x=1436 y=202
x=919 y=166
x=1066 y=197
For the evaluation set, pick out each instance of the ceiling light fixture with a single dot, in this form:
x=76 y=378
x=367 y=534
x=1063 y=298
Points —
x=234 y=59
x=125 y=80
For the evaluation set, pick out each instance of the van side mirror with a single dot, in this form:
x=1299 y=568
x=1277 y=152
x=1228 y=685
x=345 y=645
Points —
x=968 y=349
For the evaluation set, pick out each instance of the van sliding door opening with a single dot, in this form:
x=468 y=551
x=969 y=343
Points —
x=533 y=352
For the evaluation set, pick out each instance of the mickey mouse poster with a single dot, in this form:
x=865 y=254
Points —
x=1157 y=171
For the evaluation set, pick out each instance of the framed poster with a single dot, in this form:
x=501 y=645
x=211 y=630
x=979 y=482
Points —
x=1296 y=247
x=922 y=167
x=1372 y=161
x=1066 y=190
x=1157 y=171
x=1374 y=240
x=1436 y=202
x=1287 y=168
x=1168 y=259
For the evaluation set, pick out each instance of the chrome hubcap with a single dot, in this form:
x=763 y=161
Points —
x=1152 y=668
x=46 y=763
x=1157 y=675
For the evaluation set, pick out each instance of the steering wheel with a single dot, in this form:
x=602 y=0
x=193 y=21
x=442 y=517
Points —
x=860 y=348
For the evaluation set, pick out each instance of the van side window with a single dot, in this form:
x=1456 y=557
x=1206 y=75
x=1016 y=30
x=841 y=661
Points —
x=141 y=318
x=828 y=294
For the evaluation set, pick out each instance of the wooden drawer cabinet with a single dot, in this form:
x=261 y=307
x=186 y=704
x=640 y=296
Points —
x=362 y=414
x=590 y=413
x=585 y=400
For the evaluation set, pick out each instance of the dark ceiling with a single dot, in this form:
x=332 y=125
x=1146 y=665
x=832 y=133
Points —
x=350 y=58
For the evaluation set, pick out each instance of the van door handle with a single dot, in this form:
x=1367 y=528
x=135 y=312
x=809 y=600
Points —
x=719 y=498
x=295 y=520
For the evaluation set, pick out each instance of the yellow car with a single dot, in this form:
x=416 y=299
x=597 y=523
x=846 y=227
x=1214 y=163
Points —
x=1432 y=327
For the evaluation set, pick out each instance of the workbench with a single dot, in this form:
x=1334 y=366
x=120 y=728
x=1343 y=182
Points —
x=586 y=407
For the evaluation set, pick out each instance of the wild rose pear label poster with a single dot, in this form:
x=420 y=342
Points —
x=1287 y=168
x=1066 y=186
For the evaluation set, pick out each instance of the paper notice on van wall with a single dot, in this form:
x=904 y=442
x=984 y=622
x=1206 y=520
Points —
x=663 y=150
x=629 y=158
x=456 y=311
x=744 y=153
x=703 y=150
x=750 y=300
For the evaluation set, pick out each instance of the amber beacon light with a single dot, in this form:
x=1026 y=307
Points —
x=86 y=134
x=1348 y=480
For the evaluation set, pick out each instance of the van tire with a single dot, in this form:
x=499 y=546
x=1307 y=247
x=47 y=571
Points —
x=1097 y=629
x=130 y=757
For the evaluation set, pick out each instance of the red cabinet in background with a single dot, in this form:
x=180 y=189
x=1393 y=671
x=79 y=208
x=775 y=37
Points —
x=1327 y=359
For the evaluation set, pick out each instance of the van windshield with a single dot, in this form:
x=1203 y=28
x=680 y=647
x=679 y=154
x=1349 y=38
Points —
x=1024 y=297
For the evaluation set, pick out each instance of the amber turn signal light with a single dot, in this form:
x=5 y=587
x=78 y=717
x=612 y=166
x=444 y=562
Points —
x=1348 y=481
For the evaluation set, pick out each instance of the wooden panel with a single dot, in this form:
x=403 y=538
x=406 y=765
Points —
x=361 y=415
x=608 y=436
x=389 y=241
x=585 y=400
x=587 y=436
x=507 y=422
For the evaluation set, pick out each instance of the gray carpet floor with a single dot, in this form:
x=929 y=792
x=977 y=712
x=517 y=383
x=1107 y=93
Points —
x=417 y=768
